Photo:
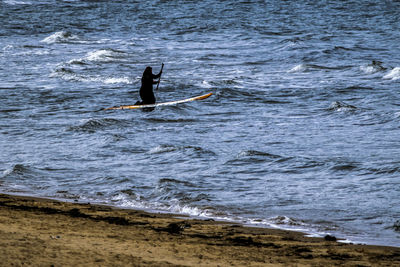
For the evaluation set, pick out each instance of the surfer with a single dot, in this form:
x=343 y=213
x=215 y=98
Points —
x=146 y=90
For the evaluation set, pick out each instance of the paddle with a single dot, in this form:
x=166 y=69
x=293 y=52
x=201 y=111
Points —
x=162 y=66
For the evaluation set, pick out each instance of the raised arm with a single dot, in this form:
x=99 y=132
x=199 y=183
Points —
x=159 y=74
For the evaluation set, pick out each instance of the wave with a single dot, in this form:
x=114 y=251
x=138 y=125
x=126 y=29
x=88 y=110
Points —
x=308 y=67
x=67 y=195
x=67 y=71
x=14 y=2
x=284 y=220
x=182 y=192
x=396 y=226
x=167 y=198
x=61 y=37
x=175 y=181
x=182 y=206
x=163 y=149
x=299 y=68
x=341 y=106
x=170 y=200
x=393 y=75
x=383 y=170
x=344 y=167
x=255 y=153
x=238 y=94
x=369 y=69
x=373 y=67
x=68 y=37
x=18 y=170
x=25 y=178
x=70 y=75
x=315 y=229
x=93 y=125
x=253 y=156
x=170 y=148
x=174 y=206
x=8 y=48
x=166 y=120
x=105 y=55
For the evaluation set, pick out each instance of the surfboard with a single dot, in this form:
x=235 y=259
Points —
x=201 y=97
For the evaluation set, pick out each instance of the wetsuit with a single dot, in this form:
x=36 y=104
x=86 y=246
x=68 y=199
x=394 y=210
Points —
x=146 y=90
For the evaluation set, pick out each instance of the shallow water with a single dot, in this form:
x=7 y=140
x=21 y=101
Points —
x=301 y=132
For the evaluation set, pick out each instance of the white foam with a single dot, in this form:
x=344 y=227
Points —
x=114 y=80
x=100 y=55
x=71 y=76
x=205 y=84
x=173 y=207
x=76 y=61
x=369 y=69
x=162 y=149
x=33 y=52
x=110 y=80
x=8 y=47
x=13 y=2
x=340 y=106
x=299 y=68
x=191 y=211
x=393 y=75
x=7 y=172
x=130 y=203
x=59 y=37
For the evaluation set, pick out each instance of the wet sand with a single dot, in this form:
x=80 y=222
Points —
x=42 y=232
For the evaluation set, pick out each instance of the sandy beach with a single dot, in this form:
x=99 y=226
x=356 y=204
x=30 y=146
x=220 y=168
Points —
x=43 y=232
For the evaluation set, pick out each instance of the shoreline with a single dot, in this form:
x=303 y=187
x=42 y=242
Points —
x=39 y=231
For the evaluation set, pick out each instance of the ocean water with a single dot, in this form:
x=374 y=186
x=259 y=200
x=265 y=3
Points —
x=302 y=131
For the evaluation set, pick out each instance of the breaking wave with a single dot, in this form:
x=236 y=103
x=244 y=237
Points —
x=102 y=56
x=17 y=171
x=341 y=106
x=61 y=37
x=393 y=75
x=70 y=75
x=299 y=68
x=374 y=67
x=105 y=55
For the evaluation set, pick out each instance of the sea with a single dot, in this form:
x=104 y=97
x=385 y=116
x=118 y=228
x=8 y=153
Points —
x=302 y=131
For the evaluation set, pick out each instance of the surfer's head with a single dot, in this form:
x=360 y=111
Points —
x=148 y=70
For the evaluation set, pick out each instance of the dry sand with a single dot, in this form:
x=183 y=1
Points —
x=42 y=232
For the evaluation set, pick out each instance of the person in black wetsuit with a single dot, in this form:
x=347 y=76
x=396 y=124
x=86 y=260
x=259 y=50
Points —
x=146 y=90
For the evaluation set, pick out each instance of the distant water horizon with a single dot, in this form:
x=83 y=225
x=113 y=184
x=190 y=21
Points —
x=301 y=132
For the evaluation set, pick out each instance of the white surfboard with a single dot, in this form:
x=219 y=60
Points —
x=201 y=97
